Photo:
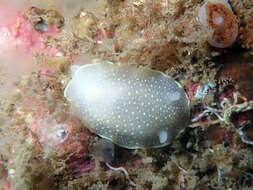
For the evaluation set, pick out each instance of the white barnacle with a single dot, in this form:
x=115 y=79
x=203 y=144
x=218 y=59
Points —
x=219 y=21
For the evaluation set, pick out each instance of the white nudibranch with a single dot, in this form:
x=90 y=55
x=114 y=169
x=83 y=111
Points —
x=132 y=107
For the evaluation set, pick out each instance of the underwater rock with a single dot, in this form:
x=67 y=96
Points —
x=238 y=71
x=132 y=107
x=216 y=16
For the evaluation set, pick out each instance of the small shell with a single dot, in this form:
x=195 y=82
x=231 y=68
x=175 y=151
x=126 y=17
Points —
x=132 y=107
x=217 y=17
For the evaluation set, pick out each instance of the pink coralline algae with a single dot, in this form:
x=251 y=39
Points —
x=21 y=33
x=79 y=165
x=64 y=140
x=192 y=89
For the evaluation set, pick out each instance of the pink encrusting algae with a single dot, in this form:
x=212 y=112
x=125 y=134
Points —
x=25 y=38
x=192 y=89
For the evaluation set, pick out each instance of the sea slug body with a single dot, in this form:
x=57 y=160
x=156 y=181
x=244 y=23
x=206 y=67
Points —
x=217 y=17
x=132 y=107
